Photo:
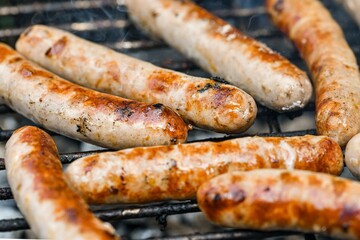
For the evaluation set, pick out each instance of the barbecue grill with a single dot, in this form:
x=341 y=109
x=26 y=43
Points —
x=107 y=23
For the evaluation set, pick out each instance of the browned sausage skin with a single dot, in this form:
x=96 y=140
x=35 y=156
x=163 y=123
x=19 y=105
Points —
x=175 y=172
x=269 y=199
x=201 y=102
x=224 y=51
x=82 y=113
x=37 y=182
x=332 y=63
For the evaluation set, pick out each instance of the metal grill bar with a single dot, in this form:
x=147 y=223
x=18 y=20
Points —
x=53 y=6
x=77 y=26
x=118 y=214
x=65 y=158
x=248 y=235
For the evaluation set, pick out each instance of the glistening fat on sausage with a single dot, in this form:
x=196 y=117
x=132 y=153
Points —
x=269 y=199
x=224 y=51
x=51 y=208
x=331 y=61
x=82 y=113
x=175 y=172
x=199 y=101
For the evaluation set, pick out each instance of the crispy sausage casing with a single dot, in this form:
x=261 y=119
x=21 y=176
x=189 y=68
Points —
x=269 y=199
x=82 y=113
x=202 y=102
x=224 y=51
x=35 y=175
x=176 y=172
x=333 y=66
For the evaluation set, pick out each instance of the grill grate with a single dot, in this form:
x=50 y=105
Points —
x=85 y=18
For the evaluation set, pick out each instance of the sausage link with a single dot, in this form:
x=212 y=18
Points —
x=175 y=172
x=224 y=51
x=202 y=102
x=81 y=113
x=51 y=208
x=332 y=63
x=269 y=199
x=352 y=155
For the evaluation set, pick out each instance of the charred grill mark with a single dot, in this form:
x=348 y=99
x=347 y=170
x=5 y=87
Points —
x=158 y=106
x=124 y=113
x=217 y=198
x=113 y=190
x=122 y=176
x=57 y=48
x=208 y=86
x=83 y=126
x=219 y=80
x=237 y=194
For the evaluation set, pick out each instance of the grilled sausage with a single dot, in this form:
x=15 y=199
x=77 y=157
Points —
x=81 y=113
x=35 y=175
x=352 y=155
x=202 y=102
x=269 y=199
x=333 y=65
x=175 y=172
x=224 y=51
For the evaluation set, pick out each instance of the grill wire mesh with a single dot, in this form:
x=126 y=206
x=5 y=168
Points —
x=106 y=22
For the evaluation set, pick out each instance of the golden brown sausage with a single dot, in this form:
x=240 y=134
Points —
x=175 y=172
x=51 y=208
x=202 y=102
x=224 y=51
x=335 y=72
x=82 y=113
x=271 y=199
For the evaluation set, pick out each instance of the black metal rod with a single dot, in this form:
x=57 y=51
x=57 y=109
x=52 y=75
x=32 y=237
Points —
x=148 y=211
x=5 y=134
x=309 y=236
x=5 y=193
x=234 y=234
x=9 y=225
x=118 y=214
x=65 y=158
